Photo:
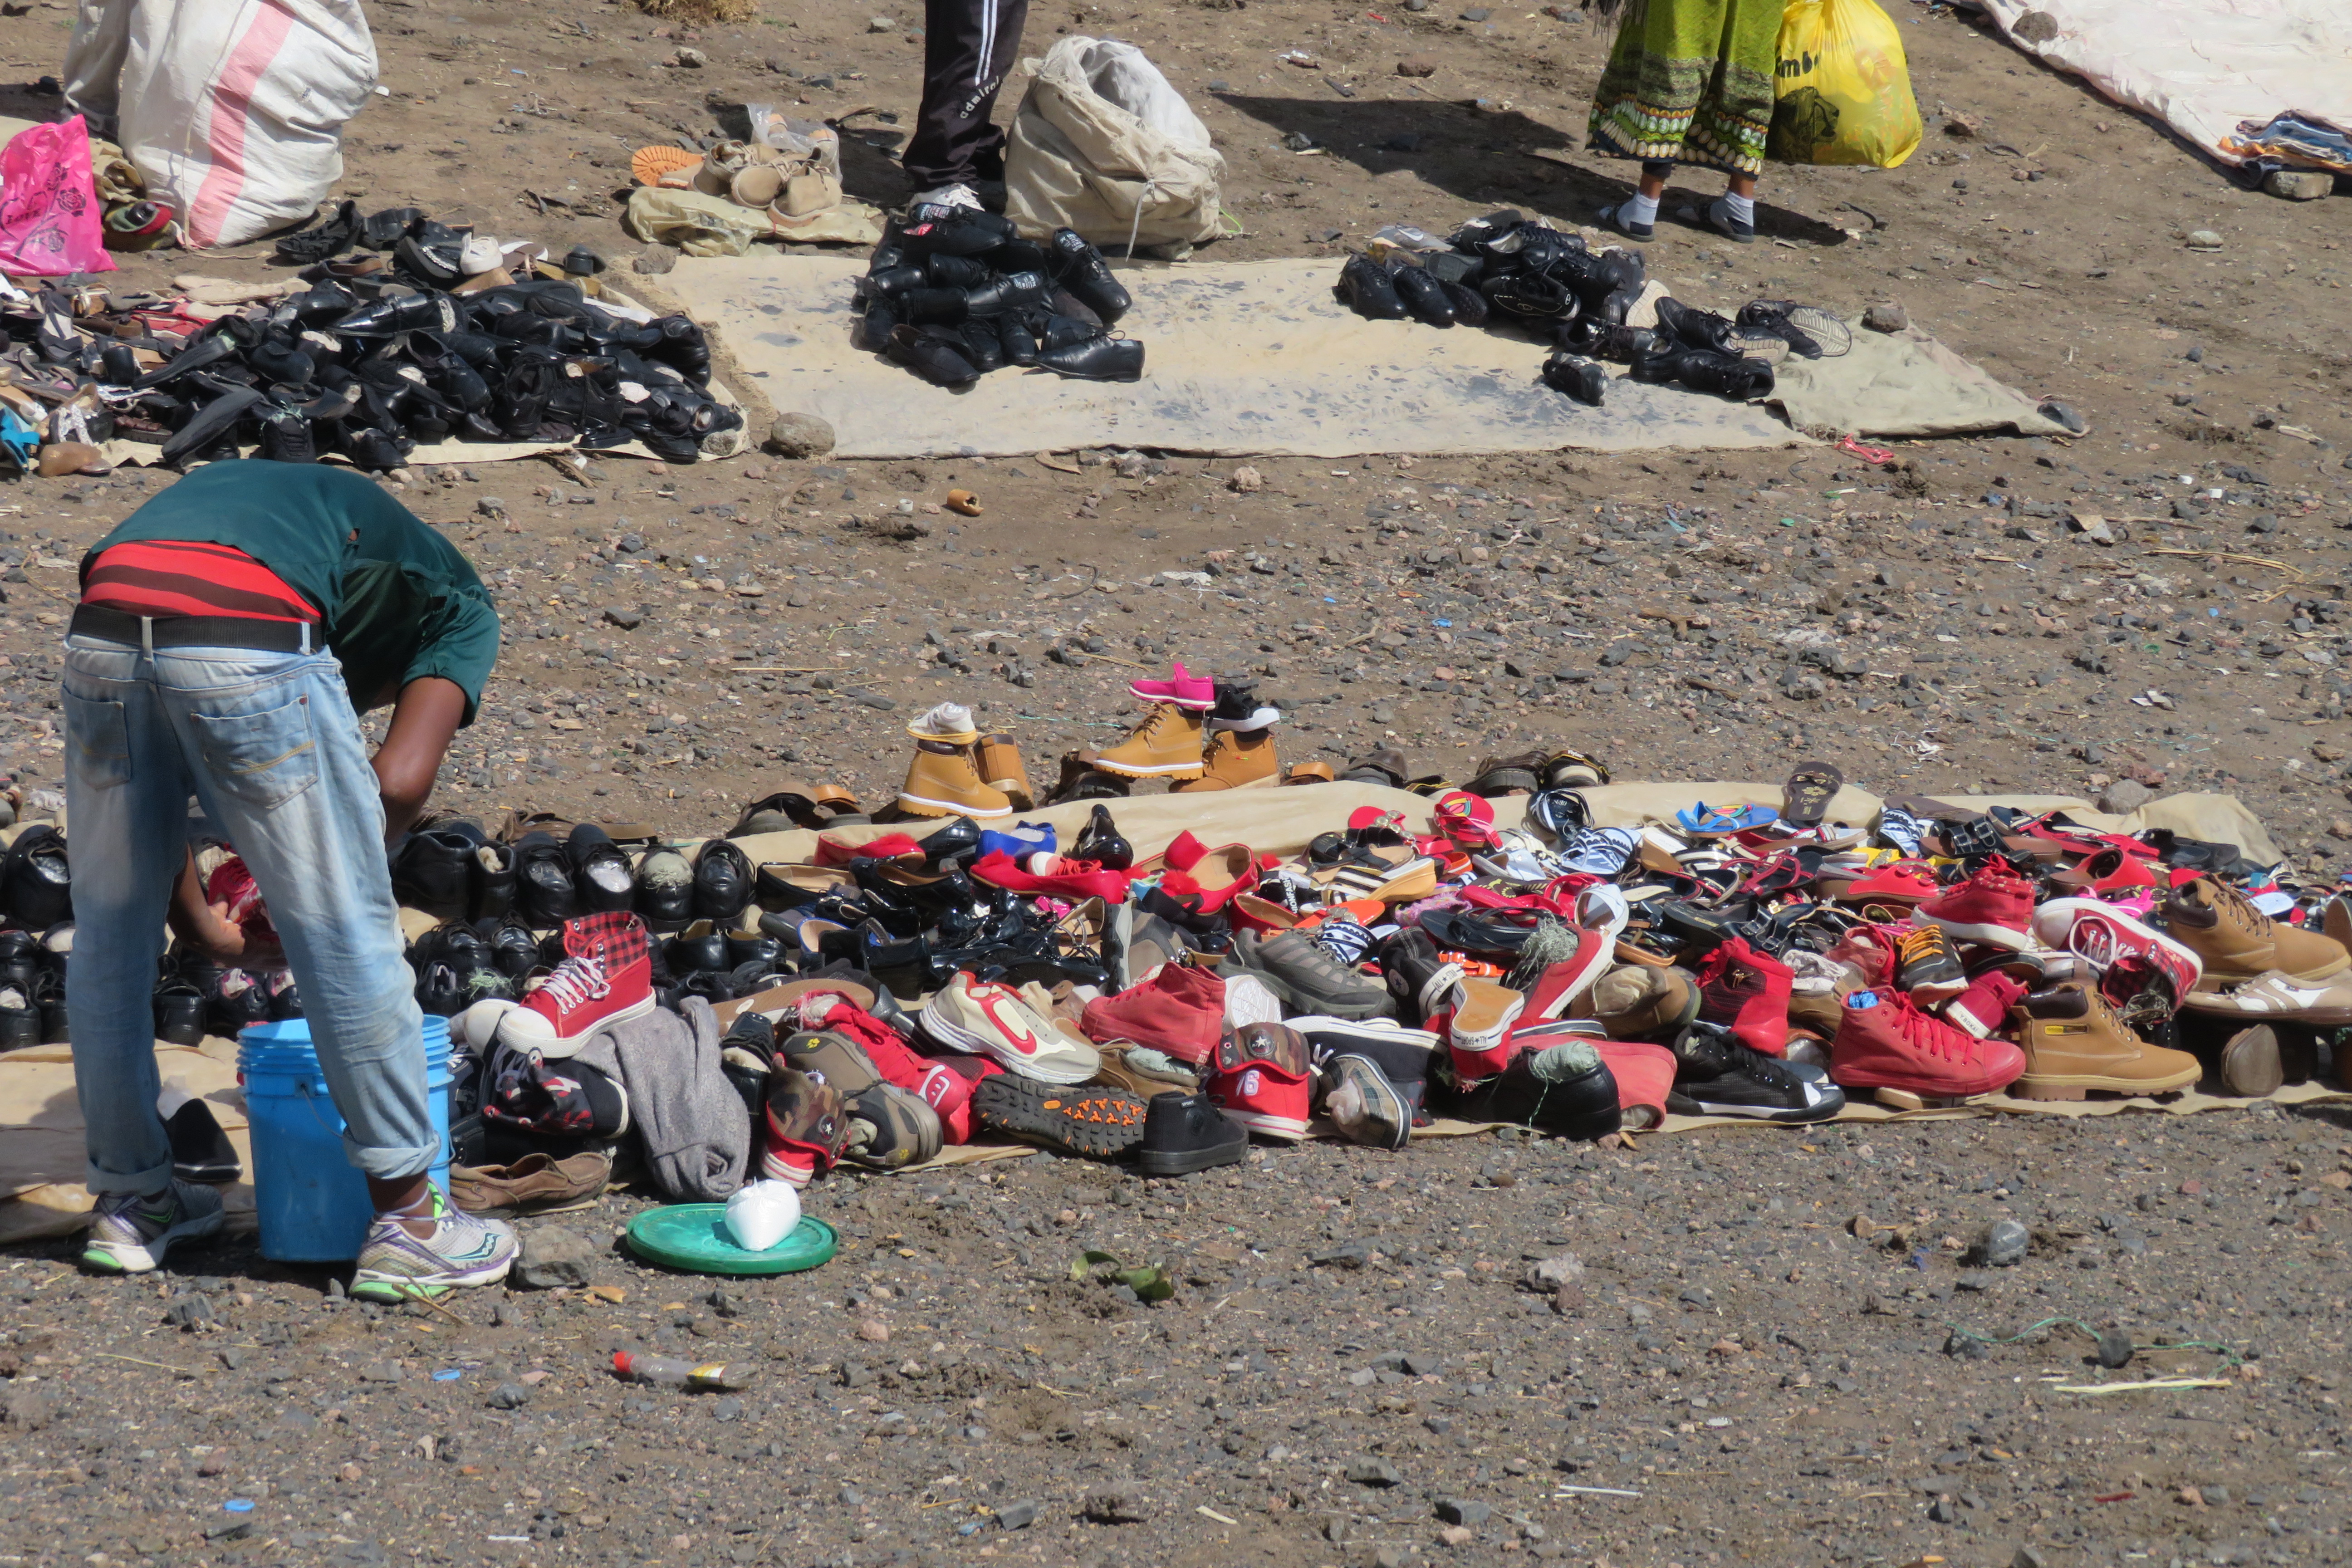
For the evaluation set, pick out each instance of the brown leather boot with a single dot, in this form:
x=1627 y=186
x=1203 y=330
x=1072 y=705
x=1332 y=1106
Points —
x=2075 y=1043
x=1238 y=759
x=2236 y=941
x=944 y=781
x=1166 y=745
x=1001 y=770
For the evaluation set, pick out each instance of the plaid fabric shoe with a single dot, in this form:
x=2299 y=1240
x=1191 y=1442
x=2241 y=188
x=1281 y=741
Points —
x=462 y=1250
x=131 y=1232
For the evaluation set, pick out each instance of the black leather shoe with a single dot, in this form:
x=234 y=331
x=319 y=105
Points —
x=935 y=229
x=178 y=1013
x=1105 y=359
x=441 y=990
x=932 y=358
x=600 y=870
x=513 y=951
x=1470 y=307
x=984 y=344
x=1703 y=371
x=1365 y=287
x=1018 y=337
x=1424 y=296
x=1079 y=268
x=200 y=1152
x=1021 y=291
x=212 y=424
x=692 y=954
x=286 y=438
x=1186 y=1132
x=743 y=947
x=20 y=1024
x=951 y=845
x=545 y=892
x=432 y=869
x=1100 y=841
x=665 y=890
x=1698 y=328
x=723 y=882
x=1618 y=343
x=933 y=307
x=713 y=985
x=491 y=882
x=19 y=958
x=236 y=1002
x=1579 y=378
x=320 y=241
x=37 y=878
x=431 y=311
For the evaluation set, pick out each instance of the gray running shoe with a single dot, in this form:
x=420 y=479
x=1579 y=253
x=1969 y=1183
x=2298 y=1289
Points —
x=1305 y=977
x=462 y=1250
x=131 y=1232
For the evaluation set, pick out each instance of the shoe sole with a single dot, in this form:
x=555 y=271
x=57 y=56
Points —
x=1098 y=1123
x=557 y=1046
x=1983 y=935
x=1131 y=771
x=2075 y=1086
x=1287 y=1128
x=2251 y=1067
x=1383 y=1106
x=2216 y=1004
x=964 y=1040
x=148 y=1258
x=1190 y=1162
x=2300 y=976
x=922 y=805
x=395 y=1288
x=1681 y=1104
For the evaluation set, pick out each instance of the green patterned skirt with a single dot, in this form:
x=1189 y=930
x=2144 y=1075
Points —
x=1690 y=80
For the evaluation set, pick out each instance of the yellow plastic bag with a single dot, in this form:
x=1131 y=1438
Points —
x=1843 y=90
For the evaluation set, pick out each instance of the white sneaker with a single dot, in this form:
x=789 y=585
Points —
x=947 y=196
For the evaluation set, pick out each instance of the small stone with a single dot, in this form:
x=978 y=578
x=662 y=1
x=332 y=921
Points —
x=1553 y=1273
x=1246 y=481
x=190 y=1313
x=1944 y=1510
x=1016 y=1516
x=1455 y=1535
x=1116 y=1502
x=508 y=1396
x=2124 y=796
x=881 y=24
x=1477 y=14
x=1464 y=1510
x=28 y=1409
x=2299 y=185
x=2113 y=1349
x=628 y=620
x=1372 y=1472
x=654 y=259
x=2026 y=1557
x=2204 y=239
x=692 y=59
x=1417 y=66
x=1886 y=318
x=2002 y=1245
x=554 y=1257
x=800 y=436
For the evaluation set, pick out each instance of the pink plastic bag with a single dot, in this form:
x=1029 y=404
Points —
x=49 y=221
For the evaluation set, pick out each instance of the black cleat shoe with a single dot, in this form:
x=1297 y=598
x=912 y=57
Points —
x=1425 y=295
x=1579 y=378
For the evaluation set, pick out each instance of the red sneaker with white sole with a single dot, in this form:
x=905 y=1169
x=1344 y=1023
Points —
x=1479 y=1028
x=1883 y=1042
x=1563 y=983
x=1994 y=908
x=2102 y=935
x=1983 y=1008
x=1262 y=1079
x=605 y=978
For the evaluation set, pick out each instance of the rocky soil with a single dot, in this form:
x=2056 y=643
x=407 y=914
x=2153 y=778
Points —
x=1774 y=1387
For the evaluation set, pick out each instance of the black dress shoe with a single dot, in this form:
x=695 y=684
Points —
x=19 y=958
x=1105 y=359
x=434 y=870
x=1563 y=1087
x=280 y=359
x=178 y=1013
x=932 y=358
x=723 y=882
x=600 y=870
x=546 y=893
x=49 y=998
x=984 y=344
x=1079 y=268
x=1017 y=336
x=665 y=890
x=441 y=990
x=935 y=229
x=490 y=880
x=743 y=947
x=1579 y=378
x=20 y=1021
x=1019 y=292
x=431 y=311
x=929 y=306
x=513 y=952
x=1365 y=287
x=1425 y=295
x=1100 y=841
x=955 y=844
x=36 y=879
x=941 y=270
x=200 y=1152
x=692 y=954
x=1186 y=1132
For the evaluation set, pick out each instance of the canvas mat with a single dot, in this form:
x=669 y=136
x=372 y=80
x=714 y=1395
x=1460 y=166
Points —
x=1256 y=358
x=41 y=1150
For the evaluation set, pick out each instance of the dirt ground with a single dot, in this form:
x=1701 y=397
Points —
x=1773 y=1388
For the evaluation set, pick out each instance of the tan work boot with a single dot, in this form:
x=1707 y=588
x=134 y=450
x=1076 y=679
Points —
x=2236 y=941
x=2075 y=1043
x=1001 y=770
x=944 y=781
x=1238 y=759
x=1167 y=744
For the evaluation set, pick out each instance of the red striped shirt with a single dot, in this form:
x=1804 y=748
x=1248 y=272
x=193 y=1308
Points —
x=188 y=577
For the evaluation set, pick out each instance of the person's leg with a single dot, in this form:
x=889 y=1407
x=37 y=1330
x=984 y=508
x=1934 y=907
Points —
x=1733 y=121
x=968 y=46
x=94 y=58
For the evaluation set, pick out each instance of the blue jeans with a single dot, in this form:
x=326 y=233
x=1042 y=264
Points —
x=267 y=745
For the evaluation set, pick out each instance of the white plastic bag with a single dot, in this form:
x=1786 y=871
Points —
x=1103 y=145
x=232 y=110
x=763 y=1214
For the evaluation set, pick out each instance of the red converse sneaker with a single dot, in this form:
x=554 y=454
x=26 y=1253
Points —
x=1983 y=1008
x=1995 y=907
x=606 y=978
x=1179 y=1011
x=1747 y=992
x=1260 y=1080
x=1883 y=1042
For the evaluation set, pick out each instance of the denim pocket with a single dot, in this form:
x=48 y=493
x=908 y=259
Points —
x=100 y=739
x=263 y=759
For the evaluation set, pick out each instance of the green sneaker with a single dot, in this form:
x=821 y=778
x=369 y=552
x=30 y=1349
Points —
x=131 y=1232
x=462 y=1250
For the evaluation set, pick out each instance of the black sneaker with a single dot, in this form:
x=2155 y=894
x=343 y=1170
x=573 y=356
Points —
x=1094 y=1121
x=1365 y=287
x=1715 y=1075
x=1402 y=1055
x=1561 y=1088
x=1420 y=980
x=200 y=1152
x=1183 y=1133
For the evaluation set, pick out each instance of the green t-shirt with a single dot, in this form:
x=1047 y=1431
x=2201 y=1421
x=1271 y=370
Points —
x=399 y=601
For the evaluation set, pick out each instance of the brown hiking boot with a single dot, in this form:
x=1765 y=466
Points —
x=944 y=781
x=1167 y=744
x=2236 y=941
x=1638 y=1002
x=1238 y=759
x=2075 y=1043
x=1001 y=770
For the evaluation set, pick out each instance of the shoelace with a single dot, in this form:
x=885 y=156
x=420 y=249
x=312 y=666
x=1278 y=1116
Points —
x=576 y=980
x=1921 y=943
x=2259 y=923
x=1936 y=1039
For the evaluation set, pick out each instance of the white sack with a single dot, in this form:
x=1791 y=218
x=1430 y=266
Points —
x=1103 y=145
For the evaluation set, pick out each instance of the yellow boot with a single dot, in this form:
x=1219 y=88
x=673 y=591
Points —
x=1167 y=744
x=944 y=781
x=1238 y=759
x=1001 y=770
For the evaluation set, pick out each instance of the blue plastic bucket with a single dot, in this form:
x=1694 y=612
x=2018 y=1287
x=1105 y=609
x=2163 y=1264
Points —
x=312 y=1202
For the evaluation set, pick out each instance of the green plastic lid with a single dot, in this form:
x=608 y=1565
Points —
x=693 y=1236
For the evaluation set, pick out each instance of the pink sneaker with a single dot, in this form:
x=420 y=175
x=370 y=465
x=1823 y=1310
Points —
x=1184 y=689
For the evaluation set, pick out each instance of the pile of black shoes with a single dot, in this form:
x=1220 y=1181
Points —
x=1500 y=268
x=1702 y=350
x=953 y=293
x=376 y=356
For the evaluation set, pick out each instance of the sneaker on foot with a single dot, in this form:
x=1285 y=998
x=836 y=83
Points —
x=131 y=1232
x=461 y=1251
x=947 y=197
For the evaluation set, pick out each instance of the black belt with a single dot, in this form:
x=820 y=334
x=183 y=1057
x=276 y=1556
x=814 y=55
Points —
x=193 y=631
